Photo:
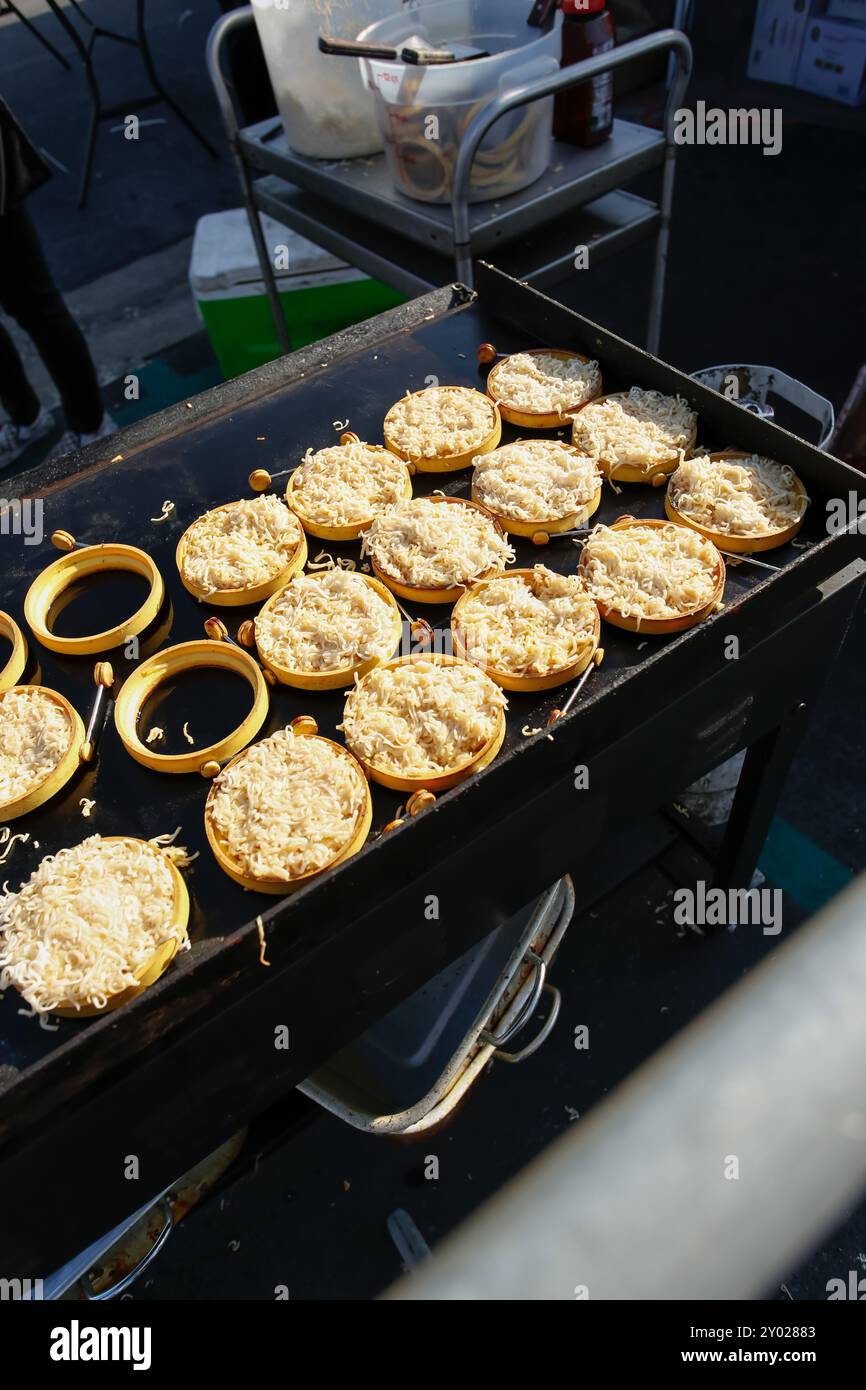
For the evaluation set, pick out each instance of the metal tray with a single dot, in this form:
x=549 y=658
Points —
x=404 y=1069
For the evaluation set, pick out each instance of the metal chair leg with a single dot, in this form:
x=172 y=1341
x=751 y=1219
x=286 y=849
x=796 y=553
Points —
x=82 y=13
x=89 y=151
x=11 y=8
x=147 y=58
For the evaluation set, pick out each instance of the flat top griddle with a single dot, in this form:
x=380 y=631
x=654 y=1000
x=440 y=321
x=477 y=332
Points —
x=199 y=455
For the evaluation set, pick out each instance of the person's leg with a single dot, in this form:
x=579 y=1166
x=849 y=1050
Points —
x=29 y=295
x=17 y=396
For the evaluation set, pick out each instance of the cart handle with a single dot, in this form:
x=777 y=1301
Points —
x=671 y=40
x=86 y=1280
x=225 y=25
x=560 y=81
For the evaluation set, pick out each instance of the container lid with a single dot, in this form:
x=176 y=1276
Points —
x=583 y=6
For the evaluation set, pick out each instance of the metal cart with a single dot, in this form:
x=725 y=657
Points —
x=351 y=207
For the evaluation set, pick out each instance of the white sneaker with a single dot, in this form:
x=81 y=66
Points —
x=72 y=440
x=15 y=439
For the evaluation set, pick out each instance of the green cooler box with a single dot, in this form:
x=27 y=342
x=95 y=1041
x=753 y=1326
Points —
x=319 y=294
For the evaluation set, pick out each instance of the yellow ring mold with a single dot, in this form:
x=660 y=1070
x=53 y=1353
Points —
x=303 y=727
x=81 y=564
x=538 y=419
x=162 y=957
x=12 y=672
x=55 y=780
x=344 y=675
x=174 y=661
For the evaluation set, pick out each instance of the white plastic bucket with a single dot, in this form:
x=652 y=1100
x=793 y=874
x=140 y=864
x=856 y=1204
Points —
x=326 y=109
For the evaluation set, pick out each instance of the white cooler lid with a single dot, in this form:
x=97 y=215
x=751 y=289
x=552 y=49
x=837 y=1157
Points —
x=224 y=256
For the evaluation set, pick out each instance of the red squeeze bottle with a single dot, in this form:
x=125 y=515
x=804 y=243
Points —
x=583 y=115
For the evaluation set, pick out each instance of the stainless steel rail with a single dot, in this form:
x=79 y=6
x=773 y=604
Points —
x=714 y=1168
x=665 y=40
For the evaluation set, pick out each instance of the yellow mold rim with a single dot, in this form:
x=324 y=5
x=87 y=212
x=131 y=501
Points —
x=538 y=419
x=12 y=672
x=344 y=675
x=449 y=463
x=740 y=545
x=82 y=564
x=552 y=527
x=657 y=474
x=441 y=781
x=175 y=661
x=252 y=593
x=414 y=592
x=507 y=679
x=304 y=727
x=162 y=957
x=659 y=626
x=349 y=532
x=55 y=780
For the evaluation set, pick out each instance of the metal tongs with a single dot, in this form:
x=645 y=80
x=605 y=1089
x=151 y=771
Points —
x=415 y=51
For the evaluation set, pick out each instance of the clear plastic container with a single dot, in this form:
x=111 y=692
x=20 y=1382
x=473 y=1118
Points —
x=326 y=109
x=424 y=111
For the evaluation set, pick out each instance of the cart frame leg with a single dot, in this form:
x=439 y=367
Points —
x=764 y=772
x=236 y=19
x=671 y=41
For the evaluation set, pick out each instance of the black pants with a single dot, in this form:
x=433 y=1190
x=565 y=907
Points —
x=29 y=295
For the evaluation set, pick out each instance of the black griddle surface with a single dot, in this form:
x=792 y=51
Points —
x=207 y=464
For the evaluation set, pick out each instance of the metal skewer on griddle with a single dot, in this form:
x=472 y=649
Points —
x=737 y=557
x=103 y=676
x=556 y=714
x=541 y=537
x=420 y=630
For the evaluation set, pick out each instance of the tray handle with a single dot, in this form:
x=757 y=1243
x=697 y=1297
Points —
x=500 y=1039
x=113 y=1290
x=543 y=1033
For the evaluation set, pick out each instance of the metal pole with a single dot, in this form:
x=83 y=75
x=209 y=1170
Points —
x=676 y=92
x=236 y=19
x=715 y=1168
x=663 y=40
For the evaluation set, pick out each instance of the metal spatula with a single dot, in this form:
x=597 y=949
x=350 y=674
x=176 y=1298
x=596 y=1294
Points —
x=415 y=50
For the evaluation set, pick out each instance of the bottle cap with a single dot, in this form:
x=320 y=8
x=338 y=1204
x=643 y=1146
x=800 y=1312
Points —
x=583 y=6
